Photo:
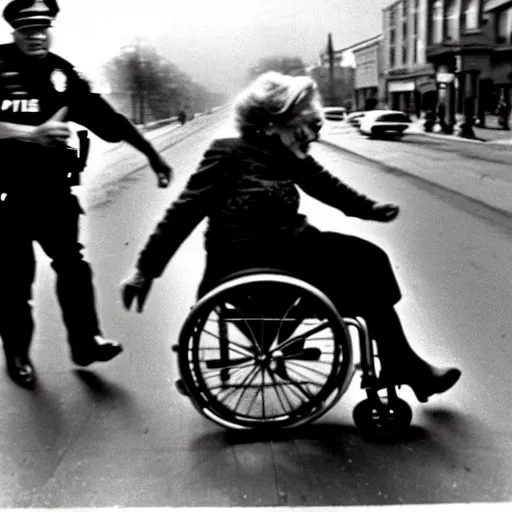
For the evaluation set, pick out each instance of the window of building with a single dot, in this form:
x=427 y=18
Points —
x=392 y=35
x=437 y=21
x=471 y=14
x=452 y=21
x=504 y=26
x=405 y=31
x=414 y=30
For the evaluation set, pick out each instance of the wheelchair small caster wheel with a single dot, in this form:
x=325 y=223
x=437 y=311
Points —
x=380 y=420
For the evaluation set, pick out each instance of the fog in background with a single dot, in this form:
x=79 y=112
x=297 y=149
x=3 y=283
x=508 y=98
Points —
x=214 y=42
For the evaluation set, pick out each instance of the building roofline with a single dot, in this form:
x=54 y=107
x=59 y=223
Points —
x=359 y=44
x=391 y=3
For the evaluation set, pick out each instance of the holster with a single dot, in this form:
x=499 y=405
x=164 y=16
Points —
x=78 y=158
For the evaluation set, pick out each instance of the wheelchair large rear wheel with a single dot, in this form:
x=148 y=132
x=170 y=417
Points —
x=264 y=351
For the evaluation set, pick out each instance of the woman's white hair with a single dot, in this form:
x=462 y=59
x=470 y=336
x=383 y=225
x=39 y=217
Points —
x=274 y=98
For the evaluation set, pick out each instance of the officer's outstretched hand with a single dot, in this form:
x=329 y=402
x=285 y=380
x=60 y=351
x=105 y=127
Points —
x=384 y=212
x=162 y=170
x=54 y=131
x=137 y=288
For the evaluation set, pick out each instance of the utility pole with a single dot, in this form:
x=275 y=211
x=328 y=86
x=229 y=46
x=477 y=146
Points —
x=140 y=81
x=330 y=55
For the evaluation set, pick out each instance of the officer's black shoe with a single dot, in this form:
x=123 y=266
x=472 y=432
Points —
x=21 y=371
x=99 y=350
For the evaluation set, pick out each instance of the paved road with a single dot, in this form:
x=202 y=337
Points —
x=120 y=434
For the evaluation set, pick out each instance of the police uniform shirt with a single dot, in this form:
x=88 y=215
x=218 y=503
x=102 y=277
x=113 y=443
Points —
x=31 y=91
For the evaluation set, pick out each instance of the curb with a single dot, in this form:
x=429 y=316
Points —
x=507 y=215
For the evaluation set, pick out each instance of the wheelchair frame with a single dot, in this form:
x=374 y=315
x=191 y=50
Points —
x=233 y=368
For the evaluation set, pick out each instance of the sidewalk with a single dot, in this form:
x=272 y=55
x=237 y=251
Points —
x=492 y=133
x=481 y=171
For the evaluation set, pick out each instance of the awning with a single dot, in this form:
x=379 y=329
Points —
x=401 y=86
x=426 y=87
x=492 y=5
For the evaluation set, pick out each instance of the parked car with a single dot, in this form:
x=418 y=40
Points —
x=354 y=118
x=382 y=123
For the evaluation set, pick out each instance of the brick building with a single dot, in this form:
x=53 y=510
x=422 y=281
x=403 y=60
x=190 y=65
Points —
x=409 y=78
x=468 y=44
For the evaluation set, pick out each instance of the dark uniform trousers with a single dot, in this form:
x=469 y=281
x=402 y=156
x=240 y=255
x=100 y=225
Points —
x=52 y=220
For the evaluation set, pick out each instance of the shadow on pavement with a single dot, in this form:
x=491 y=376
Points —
x=330 y=434
x=331 y=464
x=99 y=389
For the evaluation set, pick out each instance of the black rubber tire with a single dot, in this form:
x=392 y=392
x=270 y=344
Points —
x=196 y=368
x=379 y=420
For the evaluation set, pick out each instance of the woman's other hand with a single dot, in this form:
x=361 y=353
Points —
x=135 y=287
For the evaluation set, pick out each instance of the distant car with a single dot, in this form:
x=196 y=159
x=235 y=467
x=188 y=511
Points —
x=334 y=118
x=382 y=123
x=335 y=114
x=354 y=118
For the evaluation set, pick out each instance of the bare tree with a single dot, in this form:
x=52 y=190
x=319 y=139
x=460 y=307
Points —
x=157 y=88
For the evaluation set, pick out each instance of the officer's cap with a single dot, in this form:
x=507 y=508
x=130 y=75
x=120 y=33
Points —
x=30 y=13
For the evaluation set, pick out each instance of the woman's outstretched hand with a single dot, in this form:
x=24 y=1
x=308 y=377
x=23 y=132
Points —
x=137 y=288
x=384 y=212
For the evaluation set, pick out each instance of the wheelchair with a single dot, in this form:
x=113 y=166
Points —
x=266 y=350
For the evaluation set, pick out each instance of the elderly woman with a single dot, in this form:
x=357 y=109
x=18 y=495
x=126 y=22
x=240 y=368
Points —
x=247 y=188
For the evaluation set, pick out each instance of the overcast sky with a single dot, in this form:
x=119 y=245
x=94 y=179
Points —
x=214 y=41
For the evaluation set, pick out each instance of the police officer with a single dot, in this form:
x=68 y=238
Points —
x=39 y=93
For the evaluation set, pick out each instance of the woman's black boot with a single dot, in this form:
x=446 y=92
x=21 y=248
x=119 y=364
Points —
x=401 y=365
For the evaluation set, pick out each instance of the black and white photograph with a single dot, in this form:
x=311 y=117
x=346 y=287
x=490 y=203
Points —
x=256 y=254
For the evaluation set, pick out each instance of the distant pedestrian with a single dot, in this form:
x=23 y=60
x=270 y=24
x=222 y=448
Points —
x=503 y=115
x=182 y=117
x=40 y=92
x=247 y=188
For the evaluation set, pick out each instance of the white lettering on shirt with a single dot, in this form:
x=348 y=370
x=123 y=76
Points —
x=31 y=105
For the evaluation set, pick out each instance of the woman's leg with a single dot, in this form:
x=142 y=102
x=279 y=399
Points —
x=358 y=277
x=400 y=364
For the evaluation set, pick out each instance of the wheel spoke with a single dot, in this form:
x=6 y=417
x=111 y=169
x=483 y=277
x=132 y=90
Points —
x=233 y=345
x=257 y=370
x=303 y=336
x=279 y=389
x=245 y=382
x=213 y=364
x=281 y=323
x=308 y=368
x=211 y=373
